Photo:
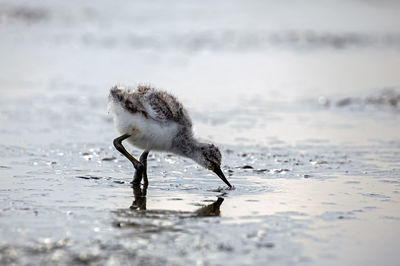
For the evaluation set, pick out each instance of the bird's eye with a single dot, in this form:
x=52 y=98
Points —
x=202 y=148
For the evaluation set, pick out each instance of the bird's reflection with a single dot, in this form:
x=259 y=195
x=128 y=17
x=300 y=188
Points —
x=139 y=195
x=212 y=209
x=139 y=203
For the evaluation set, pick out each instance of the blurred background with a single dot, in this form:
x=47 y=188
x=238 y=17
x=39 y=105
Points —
x=230 y=56
x=301 y=96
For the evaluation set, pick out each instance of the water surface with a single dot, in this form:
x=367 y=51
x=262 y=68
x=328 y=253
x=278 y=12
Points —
x=302 y=99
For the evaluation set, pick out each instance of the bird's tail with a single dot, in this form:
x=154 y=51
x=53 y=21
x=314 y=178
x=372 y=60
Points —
x=115 y=93
x=114 y=97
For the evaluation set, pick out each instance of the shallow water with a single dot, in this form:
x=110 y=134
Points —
x=306 y=114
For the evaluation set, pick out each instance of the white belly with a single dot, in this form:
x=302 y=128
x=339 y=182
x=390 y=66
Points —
x=146 y=133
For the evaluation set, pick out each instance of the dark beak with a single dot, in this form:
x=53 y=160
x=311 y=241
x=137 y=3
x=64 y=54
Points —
x=218 y=171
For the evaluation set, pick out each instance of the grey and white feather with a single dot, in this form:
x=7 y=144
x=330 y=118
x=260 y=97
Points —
x=153 y=119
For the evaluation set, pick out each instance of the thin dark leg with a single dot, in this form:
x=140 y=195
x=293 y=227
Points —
x=137 y=178
x=118 y=145
x=141 y=173
x=143 y=160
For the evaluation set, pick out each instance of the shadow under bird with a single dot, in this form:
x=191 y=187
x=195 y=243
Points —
x=152 y=119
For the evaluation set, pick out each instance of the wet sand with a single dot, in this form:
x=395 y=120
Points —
x=308 y=125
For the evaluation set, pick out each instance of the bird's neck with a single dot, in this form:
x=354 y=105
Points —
x=186 y=145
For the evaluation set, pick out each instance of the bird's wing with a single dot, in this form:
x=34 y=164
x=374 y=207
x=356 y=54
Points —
x=164 y=107
x=158 y=109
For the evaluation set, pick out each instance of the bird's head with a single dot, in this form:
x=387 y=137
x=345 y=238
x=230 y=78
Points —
x=210 y=158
